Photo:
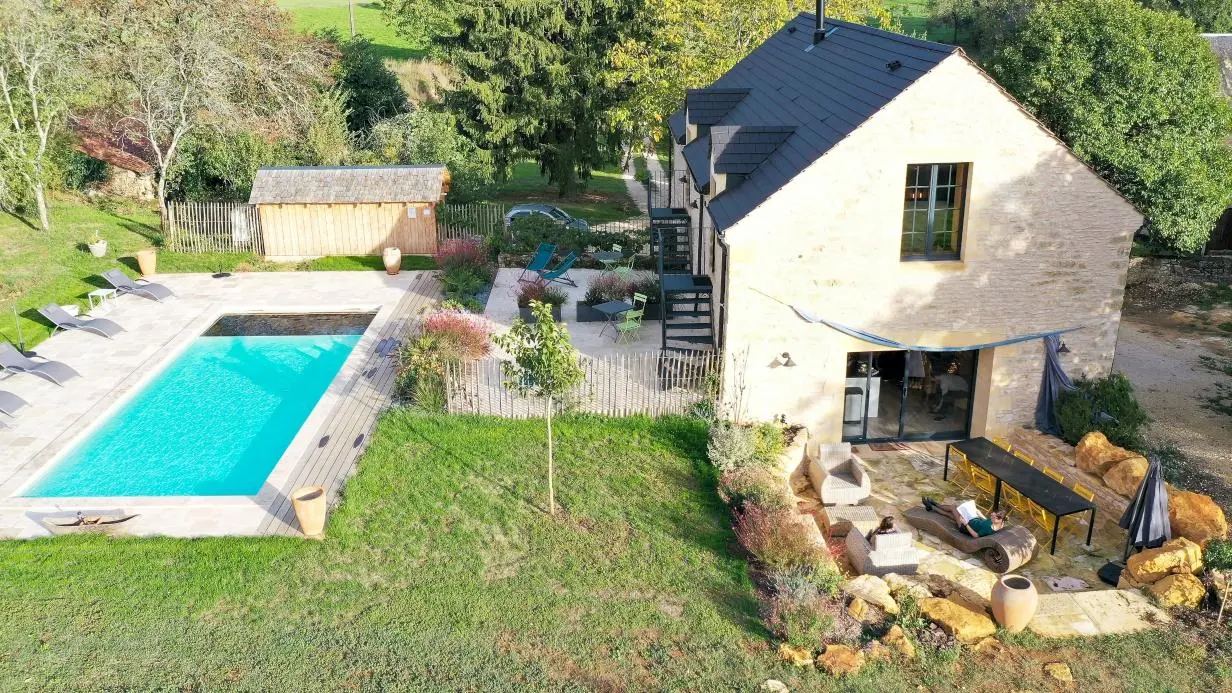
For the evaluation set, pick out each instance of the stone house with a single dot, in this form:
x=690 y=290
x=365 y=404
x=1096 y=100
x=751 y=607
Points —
x=888 y=186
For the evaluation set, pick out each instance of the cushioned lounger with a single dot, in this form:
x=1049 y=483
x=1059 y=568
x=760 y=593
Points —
x=63 y=321
x=124 y=285
x=13 y=361
x=10 y=403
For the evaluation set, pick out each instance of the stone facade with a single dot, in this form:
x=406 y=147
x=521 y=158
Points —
x=1045 y=246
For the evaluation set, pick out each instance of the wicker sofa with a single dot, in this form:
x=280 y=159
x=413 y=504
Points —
x=838 y=476
x=889 y=553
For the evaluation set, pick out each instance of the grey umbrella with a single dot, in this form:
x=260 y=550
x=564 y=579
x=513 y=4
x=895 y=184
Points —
x=1146 y=518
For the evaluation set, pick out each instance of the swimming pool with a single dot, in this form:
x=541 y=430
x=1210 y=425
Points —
x=217 y=419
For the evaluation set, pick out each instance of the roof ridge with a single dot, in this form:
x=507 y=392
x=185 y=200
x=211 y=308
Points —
x=893 y=35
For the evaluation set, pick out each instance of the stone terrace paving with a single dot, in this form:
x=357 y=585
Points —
x=898 y=484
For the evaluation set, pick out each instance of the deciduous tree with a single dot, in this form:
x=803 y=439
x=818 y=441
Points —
x=1212 y=16
x=1135 y=93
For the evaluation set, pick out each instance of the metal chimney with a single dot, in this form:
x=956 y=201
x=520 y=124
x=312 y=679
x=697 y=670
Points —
x=819 y=32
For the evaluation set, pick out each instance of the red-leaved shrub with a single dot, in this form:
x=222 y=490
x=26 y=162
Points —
x=462 y=254
x=774 y=537
x=468 y=334
x=541 y=291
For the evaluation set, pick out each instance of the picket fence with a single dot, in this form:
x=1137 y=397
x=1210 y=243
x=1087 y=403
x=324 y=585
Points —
x=212 y=227
x=651 y=383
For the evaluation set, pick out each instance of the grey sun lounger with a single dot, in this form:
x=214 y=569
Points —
x=10 y=403
x=63 y=321
x=13 y=361
x=124 y=285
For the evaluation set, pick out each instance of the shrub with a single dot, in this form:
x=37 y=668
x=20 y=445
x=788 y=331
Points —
x=751 y=485
x=444 y=338
x=647 y=285
x=1106 y=405
x=468 y=337
x=606 y=287
x=460 y=283
x=799 y=623
x=465 y=254
x=1218 y=554
x=730 y=446
x=776 y=539
x=767 y=444
x=805 y=583
x=542 y=292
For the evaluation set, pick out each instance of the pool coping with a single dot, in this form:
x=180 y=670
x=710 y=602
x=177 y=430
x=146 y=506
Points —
x=258 y=505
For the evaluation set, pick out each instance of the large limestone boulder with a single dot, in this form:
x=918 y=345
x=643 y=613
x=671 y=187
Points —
x=1177 y=556
x=873 y=590
x=896 y=638
x=1195 y=516
x=798 y=656
x=901 y=585
x=1126 y=475
x=1095 y=454
x=840 y=660
x=1179 y=590
x=963 y=624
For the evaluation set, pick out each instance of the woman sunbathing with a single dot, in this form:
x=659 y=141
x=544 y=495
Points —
x=969 y=517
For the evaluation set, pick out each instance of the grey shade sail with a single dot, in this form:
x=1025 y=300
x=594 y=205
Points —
x=1146 y=518
x=1055 y=381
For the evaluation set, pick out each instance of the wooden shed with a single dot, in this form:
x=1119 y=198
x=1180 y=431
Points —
x=310 y=211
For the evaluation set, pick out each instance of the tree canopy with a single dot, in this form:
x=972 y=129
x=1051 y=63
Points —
x=372 y=90
x=1135 y=93
x=1211 y=16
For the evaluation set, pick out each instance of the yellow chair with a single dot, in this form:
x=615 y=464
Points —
x=1083 y=491
x=985 y=484
x=1016 y=502
x=1079 y=521
x=960 y=475
x=1002 y=443
x=1024 y=457
x=1054 y=475
x=1041 y=518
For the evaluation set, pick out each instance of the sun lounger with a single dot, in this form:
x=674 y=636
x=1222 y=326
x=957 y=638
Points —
x=538 y=263
x=124 y=285
x=561 y=273
x=13 y=361
x=63 y=321
x=10 y=403
x=1002 y=551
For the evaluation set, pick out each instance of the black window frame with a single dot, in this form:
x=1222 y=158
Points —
x=962 y=186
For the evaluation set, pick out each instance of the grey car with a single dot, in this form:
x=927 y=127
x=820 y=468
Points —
x=556 y=214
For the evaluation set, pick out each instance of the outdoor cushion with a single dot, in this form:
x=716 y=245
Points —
x=1001 y=551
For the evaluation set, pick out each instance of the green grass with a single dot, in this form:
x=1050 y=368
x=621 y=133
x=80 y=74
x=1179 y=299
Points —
x=311 y=15
x=56 y=267
x=441 y=571
x=606 y=197
x=913 y=15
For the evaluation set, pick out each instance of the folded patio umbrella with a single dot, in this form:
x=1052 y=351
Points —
x=1145 y=520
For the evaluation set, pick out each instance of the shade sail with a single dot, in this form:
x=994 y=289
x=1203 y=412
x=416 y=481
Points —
x=871 y=338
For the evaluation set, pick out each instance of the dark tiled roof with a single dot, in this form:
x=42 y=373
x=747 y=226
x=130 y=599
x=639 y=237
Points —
x=708 y=106
x=349 y=184
x=822 y=93
x=697 y=156
x=741 y=149
x=675 y=123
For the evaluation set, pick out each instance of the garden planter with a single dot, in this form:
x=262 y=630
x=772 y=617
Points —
x=393 y=260
x=147 y=261
x=98 y=248
x=529 y=317
x=1014 y=600
x=309 y=504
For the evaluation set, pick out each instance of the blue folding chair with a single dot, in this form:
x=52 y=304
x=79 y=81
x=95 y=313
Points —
x=561 y=273
x=538 y=263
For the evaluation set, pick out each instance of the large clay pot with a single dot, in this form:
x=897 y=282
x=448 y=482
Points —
x=393 y=260
x=147 y=261
x=309 y=504
x=1014 y=600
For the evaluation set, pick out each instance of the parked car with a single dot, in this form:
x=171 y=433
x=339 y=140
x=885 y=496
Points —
x=556 y=214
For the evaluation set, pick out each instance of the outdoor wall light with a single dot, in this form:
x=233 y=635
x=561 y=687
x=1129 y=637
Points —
x=1064 y=349
x=784 y=360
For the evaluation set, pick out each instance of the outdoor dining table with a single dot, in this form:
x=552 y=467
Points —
x=608 y=258
x=611 y=309
x=1049 y=493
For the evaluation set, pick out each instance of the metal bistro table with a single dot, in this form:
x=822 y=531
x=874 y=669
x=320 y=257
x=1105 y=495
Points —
x=611 y=309
x=608 y=258
x=1049 y=493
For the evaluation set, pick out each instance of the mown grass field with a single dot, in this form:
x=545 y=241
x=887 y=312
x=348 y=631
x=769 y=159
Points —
x=441 y=571
x=311 y=15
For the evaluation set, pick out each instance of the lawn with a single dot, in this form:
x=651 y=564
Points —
x=55 y=267
x=606 y=197
x=913 y=16
x=311 y=15
x=441 y=571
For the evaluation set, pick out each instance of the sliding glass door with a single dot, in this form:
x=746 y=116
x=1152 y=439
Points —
x=908 y=395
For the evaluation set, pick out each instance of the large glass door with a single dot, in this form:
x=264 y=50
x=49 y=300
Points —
x=908 y=395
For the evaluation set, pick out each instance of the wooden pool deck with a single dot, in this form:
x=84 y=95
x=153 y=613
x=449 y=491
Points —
x=347 y=430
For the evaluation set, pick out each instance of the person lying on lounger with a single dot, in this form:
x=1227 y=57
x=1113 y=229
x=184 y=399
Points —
x=968 y=517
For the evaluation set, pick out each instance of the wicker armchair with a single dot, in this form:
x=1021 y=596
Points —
x=889 y=553
x=838 y=476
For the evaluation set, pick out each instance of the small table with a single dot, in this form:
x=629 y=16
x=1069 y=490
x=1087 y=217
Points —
x=100 y=296
x=611 y=309
x=608 y=258
x=842 y=519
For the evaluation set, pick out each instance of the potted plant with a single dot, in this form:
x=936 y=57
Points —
x=392 y=257
x=543 y=292
x=97 y=245
x=605 y=287
x=648 y=285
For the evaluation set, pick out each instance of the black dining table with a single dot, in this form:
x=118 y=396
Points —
x=1050 y=494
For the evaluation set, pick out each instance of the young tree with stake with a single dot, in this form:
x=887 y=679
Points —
x=544 y=364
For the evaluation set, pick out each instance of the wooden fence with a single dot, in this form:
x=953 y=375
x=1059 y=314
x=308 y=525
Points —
x=210 y=227
x=652 y=383
x=470 y=221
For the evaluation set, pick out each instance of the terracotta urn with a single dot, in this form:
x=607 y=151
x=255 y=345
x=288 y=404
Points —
x=147 y=262
x=309 y=504
x=393 y=260
x=1014 y=600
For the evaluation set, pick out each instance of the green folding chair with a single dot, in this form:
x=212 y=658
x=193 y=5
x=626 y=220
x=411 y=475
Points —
x=624 y=270
x=632 y=320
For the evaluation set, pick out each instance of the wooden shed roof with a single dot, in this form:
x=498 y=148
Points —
x=349 y=184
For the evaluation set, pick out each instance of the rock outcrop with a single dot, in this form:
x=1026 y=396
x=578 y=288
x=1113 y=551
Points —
x=798 y=656
x=1095 y=454
x=896 y=639
x=1126 y=476
x=963 y=624
x=873 y=590
x=1177 y=556
x=841 y=660
x=1182 y=589
x=1195 y=516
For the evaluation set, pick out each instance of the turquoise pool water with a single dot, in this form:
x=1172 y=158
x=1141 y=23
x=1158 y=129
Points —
x=213 y=423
